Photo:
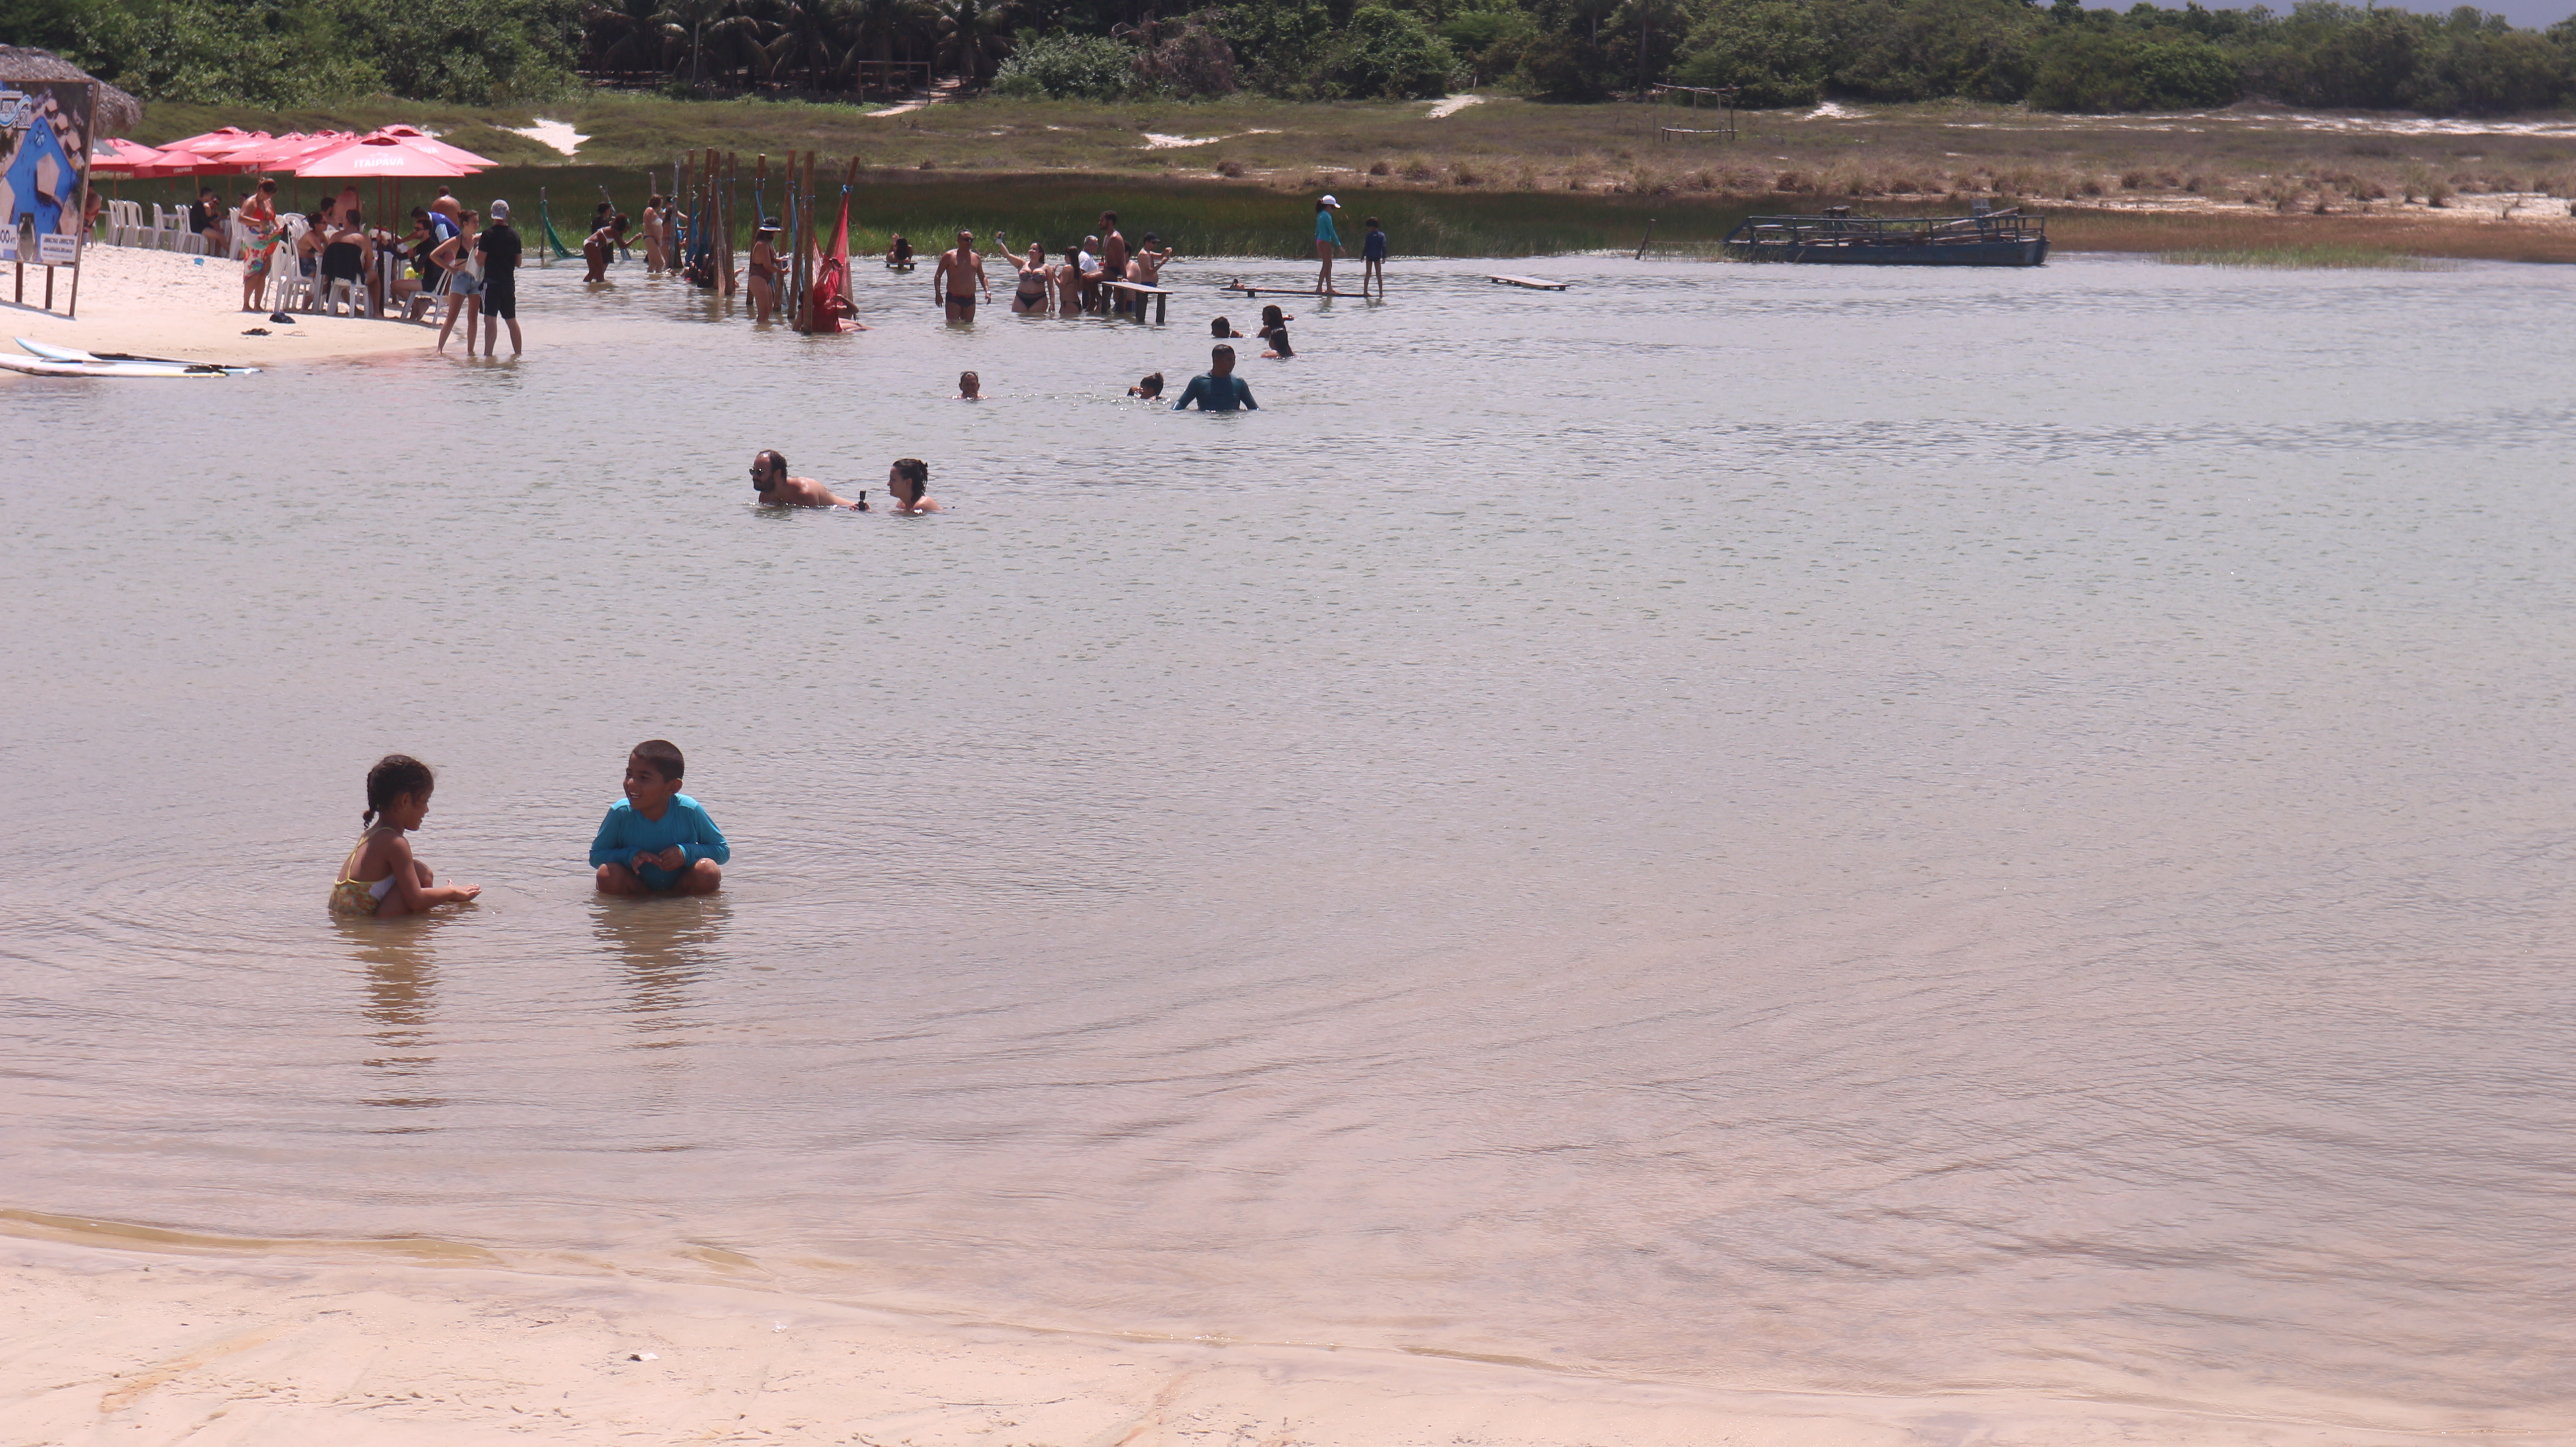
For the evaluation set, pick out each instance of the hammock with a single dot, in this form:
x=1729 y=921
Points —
x=546 y=219
x=829 y=300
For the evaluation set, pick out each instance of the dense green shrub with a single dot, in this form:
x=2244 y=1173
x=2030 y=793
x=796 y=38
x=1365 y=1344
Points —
x=1387 y=54
x=1771 y=48
x=2088 y=69
x=1067 y=67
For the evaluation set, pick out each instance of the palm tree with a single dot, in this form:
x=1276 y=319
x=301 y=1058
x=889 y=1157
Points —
x=974 y=35
x=694 y=22
x=624 y=36
x=876 y=29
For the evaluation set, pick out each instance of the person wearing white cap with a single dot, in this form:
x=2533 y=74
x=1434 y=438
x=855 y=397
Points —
x=500 y=248
x=1328 y=241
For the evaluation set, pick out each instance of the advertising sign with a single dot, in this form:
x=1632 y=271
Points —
x=44 y=170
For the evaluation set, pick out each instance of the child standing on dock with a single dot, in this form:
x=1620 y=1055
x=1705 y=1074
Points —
x=1373 y=256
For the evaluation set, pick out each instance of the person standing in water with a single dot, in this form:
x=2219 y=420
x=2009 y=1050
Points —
x=1373 y=258
x=1328 y=243
x=959 y=269
x=762 y=277
x=1218 y=389
x=462 y=281
x=499 y=247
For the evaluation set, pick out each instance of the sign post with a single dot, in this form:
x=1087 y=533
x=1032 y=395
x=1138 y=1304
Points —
x=44 y=178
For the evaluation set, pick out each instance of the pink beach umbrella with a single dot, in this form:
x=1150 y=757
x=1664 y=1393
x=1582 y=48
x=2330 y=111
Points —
x=421 y=140
x=118 y=157
x=218 y=142
x=382 y=157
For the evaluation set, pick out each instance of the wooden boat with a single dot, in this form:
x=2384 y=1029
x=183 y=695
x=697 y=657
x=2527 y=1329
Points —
x=1999 y=238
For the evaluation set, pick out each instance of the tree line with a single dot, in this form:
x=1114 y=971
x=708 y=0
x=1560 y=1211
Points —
x=283 y=54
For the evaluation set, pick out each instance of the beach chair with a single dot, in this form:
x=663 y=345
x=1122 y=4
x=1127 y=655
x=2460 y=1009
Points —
x=122 y=223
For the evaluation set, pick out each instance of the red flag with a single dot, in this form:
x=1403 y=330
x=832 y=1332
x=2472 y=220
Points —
x=829 y=299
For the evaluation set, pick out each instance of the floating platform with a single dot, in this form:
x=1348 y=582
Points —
x=1534 y=283
x=1240 y=289
x=1838 y=238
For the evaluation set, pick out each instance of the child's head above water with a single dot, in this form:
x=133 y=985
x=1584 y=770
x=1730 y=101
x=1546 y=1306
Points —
x=653 y=771
x=969 y=385
x=396 y=776
x=908 y=479
x=1151 y=386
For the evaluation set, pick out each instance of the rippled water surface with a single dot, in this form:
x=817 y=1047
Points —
x=1757 y=826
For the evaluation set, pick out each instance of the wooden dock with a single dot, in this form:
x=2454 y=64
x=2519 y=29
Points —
x=1162 y=297
x=1534 y=283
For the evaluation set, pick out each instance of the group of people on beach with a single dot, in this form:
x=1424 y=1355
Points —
x=656 y=840
x=451 y=254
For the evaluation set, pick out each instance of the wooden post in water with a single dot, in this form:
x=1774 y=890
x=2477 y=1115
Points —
x=1649 y=239
x=792 y=237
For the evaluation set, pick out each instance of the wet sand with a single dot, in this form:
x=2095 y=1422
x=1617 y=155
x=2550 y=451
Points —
x=163 y=304
x=145 y=1348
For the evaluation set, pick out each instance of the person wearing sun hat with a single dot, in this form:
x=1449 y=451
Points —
x=1328 y=241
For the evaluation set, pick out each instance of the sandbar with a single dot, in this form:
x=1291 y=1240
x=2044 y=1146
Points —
x=163 y=304
x=144 y=1348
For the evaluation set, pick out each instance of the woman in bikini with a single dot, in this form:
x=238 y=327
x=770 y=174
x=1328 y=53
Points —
x=1035 y=282
x=763 y=273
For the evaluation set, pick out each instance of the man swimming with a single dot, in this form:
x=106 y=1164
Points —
x=957 y=270
x=769 y=478
x=1218 y=389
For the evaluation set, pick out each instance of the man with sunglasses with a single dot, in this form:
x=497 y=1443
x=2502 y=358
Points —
x=769 y=478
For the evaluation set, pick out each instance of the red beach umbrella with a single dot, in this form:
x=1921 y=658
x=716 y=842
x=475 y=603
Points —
x=218 y=142
x=117 y=156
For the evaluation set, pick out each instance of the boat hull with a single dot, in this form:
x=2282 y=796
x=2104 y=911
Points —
x=1963 y=253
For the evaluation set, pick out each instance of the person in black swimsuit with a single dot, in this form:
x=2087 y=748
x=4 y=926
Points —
x=958 y=270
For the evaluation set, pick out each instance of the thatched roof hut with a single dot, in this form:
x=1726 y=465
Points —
x=118 y=113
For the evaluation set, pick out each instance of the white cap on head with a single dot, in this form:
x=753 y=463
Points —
x=500 y=211
x=1330 y=201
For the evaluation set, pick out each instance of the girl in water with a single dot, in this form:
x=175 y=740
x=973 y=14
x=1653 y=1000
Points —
x=763 y=280
x=1031 y=297
x=1068 y=283
x=380 y=878
x=1328 y=242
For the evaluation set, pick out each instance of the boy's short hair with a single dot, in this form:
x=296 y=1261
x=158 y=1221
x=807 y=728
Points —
x=1372 y=221
x=661 y=756
x=1219 y=351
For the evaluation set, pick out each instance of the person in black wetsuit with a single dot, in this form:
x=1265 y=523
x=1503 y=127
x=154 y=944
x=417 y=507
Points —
x=499 y=246
x=1218 y=389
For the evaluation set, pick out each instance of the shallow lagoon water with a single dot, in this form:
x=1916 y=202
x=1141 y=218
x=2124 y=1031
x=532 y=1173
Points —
x=1879 y=833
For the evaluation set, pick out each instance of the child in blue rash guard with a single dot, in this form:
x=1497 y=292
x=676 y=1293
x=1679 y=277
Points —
x=658 y=840
x=1373 y=252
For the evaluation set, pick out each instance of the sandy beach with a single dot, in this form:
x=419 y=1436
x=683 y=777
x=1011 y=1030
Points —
x=160 y=303
x=146 y=1348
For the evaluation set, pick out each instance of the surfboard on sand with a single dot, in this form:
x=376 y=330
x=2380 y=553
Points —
x=46 y=360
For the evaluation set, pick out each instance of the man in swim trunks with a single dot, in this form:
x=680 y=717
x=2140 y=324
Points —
x=1218 y=389
x=957 y=270
x=769 y=477
x=499 y=247
x=1113 y=257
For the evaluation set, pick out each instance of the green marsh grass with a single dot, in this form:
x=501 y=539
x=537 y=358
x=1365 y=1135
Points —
x=2301 y=258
